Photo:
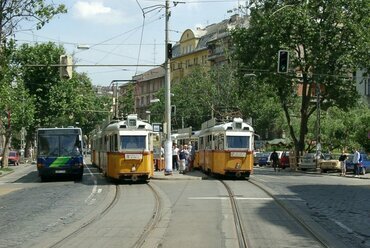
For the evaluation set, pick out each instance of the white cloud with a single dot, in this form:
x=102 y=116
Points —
x=96 y=11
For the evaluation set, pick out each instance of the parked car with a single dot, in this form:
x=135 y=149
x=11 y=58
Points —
x=263 y=158
x=308 y=161
x=13 y=158
x=256 y=158
x=364 y=164
x=284 y=160
x=330 y=163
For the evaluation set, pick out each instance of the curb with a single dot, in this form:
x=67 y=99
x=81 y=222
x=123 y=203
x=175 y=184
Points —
x=4 y=173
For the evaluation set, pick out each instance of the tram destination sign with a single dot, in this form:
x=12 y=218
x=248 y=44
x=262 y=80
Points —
x=133 y=156
x=238 y=154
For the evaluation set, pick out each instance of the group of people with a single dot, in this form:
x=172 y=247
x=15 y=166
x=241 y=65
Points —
x=182 y=158
x=356 y=162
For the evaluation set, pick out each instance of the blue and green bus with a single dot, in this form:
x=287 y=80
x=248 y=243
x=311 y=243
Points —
x=59 y=152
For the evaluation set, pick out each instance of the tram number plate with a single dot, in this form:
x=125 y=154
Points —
x=238 y=154
x=60 y=171
x=133 y=156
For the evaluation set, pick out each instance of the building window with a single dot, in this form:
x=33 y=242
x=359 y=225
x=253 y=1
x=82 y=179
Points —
x=147 y=100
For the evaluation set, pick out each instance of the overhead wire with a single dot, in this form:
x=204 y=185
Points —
x=141 y=36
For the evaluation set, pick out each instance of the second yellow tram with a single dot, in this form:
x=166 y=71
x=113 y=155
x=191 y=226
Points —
x=226 y=148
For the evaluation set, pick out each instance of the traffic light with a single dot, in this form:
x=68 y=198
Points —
x=65 y=69
x=169 y=50
x=283 y=61
x=173 y=110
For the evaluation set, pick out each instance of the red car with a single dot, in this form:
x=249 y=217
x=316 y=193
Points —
x=13 y=158
x=284 y=160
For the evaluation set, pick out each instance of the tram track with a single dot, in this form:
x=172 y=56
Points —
x=94 y=219
x=152 y=222
x=240 y=232
x=314 y=234
x=141 y=240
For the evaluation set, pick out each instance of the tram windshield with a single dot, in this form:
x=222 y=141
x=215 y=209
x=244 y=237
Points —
x=59 y=145
x=132 y=142
x=238 y=142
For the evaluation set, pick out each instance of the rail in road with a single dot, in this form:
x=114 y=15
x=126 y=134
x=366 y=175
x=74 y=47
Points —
x=243 y=235
x=150 y=226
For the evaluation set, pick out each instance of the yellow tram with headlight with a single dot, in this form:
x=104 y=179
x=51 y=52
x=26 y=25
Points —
x=124 y=149
x=226 y=148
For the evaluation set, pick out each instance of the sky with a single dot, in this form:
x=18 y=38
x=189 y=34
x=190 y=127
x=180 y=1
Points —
x=122 y=34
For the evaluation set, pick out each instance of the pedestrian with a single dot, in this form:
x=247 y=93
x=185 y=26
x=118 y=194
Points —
x=342 y=159
x=356 y=162
x=275 y=159
x=182 y=160
x=175 y=157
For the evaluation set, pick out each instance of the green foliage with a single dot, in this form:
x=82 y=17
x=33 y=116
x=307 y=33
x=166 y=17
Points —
x=325 y=40
x=126 y=100
x=15 y=12
x=41 y=81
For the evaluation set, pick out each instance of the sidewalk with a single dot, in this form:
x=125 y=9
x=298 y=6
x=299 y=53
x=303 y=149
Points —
x=349 y=174
x=11 y=169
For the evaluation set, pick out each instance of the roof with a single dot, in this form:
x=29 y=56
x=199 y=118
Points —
x=279 y=142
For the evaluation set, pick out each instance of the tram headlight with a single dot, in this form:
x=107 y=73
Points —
x=133 y=168
x=237 y=166
x=39 y=165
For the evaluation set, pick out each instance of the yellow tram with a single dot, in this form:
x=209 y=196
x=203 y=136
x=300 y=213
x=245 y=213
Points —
x=124 y=149
x=226 y=148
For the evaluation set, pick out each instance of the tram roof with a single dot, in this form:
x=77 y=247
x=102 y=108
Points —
x=131 y=123
x=236 y=125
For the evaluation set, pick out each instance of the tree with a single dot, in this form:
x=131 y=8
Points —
x=16 y=12
x=327 y=41
x=41 y=81
x=16 y=104
x=13 y=14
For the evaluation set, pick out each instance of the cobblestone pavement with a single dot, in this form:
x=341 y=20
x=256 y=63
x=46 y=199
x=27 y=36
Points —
x=340 y=205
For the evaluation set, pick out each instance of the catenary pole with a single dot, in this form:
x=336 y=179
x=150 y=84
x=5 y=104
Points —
x=168 y=142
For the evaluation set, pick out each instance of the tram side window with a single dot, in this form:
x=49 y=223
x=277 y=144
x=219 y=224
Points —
x=238 y=141
x=132 y=142
x=201 y=143
x=106 y=143
x=209 y=142
x=219 y=142
x=115 y=139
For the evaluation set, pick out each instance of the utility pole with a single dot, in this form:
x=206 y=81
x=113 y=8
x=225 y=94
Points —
x=168 y=142
x=318 y=130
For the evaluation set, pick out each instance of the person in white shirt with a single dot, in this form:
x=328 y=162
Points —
x=175 y=157
x=356 y=162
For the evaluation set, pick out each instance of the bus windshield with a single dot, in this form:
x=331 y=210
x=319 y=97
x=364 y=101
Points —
x=132 y=142
x=238 y=142
x=59 y=145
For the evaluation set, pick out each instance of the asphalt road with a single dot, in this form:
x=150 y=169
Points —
x=194 y=212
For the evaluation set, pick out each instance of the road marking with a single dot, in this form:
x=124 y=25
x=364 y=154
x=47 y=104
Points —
x=347 y=228
x=227 y=198
x=290 y=198
x=91 y=198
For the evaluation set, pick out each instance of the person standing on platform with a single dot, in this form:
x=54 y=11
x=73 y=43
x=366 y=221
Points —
x=175 y=158
x=182 y=160
x=342 y=160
